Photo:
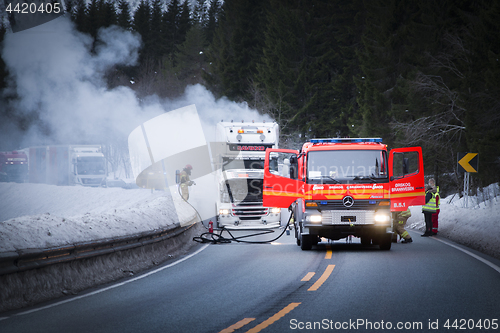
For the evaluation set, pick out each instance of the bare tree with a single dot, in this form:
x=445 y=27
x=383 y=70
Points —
x=443 y=128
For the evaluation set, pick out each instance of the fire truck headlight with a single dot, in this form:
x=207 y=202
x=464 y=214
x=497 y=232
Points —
x=314 y=218
x=380 y=218
x=275 y=210
x=223 y=211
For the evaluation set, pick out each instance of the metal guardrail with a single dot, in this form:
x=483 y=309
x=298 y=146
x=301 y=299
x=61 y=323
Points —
x=23 y=260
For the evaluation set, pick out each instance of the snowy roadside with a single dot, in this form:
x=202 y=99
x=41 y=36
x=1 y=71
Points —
x=43 y=216
x=38 y=215
x=477 y=227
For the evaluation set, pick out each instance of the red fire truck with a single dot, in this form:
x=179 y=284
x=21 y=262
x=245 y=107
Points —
x=13 y=166
x=344 y=186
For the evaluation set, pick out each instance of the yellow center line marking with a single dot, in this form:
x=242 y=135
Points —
x=322 y=278
x=274 y=318
x=308 y=276
x=328 y=254
x=237 y=326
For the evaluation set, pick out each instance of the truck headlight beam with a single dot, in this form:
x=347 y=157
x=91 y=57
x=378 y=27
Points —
x=314 y=218
x=223 y=211
x=275 y=210
x=381 y=218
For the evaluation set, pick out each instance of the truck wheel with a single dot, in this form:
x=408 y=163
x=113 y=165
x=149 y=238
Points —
x=306 y=242
x=366 y=241
x=385 y=242
x=297 y=238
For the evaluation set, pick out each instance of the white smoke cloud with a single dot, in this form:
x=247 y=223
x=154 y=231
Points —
x=55 y=75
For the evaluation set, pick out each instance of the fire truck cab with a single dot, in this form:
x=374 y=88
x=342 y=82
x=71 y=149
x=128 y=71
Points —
x=344 y=186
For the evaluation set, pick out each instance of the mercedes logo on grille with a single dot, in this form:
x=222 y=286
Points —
x=348 y=201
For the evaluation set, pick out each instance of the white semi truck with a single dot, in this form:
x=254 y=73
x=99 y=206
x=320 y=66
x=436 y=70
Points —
x=239 y=159
x=67 y=165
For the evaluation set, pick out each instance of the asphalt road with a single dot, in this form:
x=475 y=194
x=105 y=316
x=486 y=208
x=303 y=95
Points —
x=280 y=288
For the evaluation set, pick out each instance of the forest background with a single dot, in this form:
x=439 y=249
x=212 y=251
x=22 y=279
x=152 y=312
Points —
x=416 y=72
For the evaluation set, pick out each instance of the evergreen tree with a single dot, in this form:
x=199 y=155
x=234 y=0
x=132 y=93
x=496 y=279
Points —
x=348 y=24
x=124 y=18
x=93 y=17
x=109 y=14
x=184 y=22
x=200 y=13
x=237 y=47
x=170 y=30
x=388 y=58
x=142 y=25
x=3 y=66
x=80 y=16
x=212 y=20
x=191 y=57
x=301 y=65
x=156 y=42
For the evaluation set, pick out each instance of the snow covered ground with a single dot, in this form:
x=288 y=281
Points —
x=41 y=216
x=477 y=226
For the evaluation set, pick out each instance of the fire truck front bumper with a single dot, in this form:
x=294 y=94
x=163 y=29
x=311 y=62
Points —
x=337 y=224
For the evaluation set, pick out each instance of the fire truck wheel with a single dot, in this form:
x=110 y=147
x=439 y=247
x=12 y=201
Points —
x=306 y=242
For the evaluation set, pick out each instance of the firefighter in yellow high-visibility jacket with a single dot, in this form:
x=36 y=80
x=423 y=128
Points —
x=399 y=227
x=185 y=181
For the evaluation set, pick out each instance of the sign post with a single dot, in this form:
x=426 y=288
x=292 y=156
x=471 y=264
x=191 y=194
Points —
x=467 y=163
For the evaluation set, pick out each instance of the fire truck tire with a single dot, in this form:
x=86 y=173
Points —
x=306 y=242
x=385 y=242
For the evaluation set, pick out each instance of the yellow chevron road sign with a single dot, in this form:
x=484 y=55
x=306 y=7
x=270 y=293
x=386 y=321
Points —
x=467 y=162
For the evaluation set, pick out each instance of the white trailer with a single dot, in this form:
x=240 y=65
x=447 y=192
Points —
x=239 y=160
x=67 y=165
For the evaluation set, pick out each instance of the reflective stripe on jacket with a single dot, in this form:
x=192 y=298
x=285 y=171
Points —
x=430 y=206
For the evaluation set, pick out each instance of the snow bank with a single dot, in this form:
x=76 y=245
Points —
x=477 y=226
x=41 y=216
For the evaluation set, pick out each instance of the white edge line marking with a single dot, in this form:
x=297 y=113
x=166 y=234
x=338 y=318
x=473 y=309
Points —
x=113 y=286
x=492 y=265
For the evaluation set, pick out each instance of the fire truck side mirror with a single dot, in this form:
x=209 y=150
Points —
x=273 y=163
x=406 y=166
x=294 y=167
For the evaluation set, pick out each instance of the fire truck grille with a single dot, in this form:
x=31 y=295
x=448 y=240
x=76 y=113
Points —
x=358 y=205
x=357 y=217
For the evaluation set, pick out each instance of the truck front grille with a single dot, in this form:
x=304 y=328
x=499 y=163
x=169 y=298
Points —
x=358 y=205
x=249 y=212
x=347 y=217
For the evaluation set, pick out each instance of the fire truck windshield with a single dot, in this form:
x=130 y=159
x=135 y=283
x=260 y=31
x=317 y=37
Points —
x=342 y=166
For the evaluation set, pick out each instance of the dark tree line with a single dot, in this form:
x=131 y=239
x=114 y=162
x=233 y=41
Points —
x=414 y=72
x=174 y=37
